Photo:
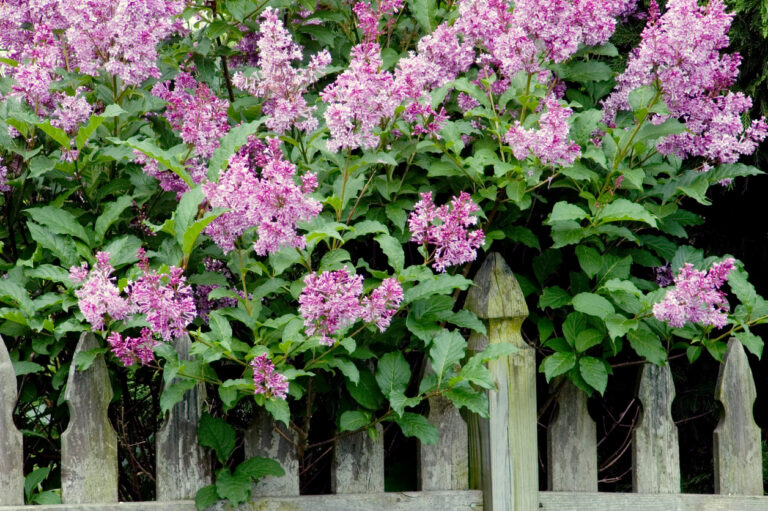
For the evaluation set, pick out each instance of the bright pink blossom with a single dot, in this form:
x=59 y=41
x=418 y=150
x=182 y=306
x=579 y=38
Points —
x=446 y=228
x=131 y=350
x=329 y=302
x=550 y=142
x=266 y=380
x=696 y=297
x=98 y=295
x=382 y=305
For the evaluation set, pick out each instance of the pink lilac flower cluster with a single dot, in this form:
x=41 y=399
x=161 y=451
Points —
x=446 y=228
x=280 y=84
x=550 y=142
x=273 y=202
x=696 y=297
x=680 y=52
x=98 y=295
x=368 y=18
x=4 y=179
x=266 y=380
x=205 y=305
x=71 y=111
x=331 y=301
x=132 y=350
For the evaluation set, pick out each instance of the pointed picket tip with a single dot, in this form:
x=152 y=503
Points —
x=11 y=452
x=496 y=293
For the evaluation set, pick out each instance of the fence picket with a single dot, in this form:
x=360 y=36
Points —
x=261 y=439
x=507 y=442
x=89 y=444
x=572 y=443
x=182 y=466
x=445 y=466
x=655 y=448
x=358 y=463
x=11 y=452
x=738 y=456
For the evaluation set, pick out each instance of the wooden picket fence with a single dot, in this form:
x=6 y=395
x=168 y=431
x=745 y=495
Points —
x=497 y=458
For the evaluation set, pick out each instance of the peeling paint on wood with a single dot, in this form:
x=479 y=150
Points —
x=89 y=444
x=261 y=439
x=738 y=456
x=11 y=452
x=182 y=465
x=358 y=463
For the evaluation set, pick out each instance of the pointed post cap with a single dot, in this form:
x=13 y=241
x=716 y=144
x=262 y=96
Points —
x=496 y=293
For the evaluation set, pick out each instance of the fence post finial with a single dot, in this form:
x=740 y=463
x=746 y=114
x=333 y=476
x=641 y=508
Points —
x=11 y=453
x=506 y=444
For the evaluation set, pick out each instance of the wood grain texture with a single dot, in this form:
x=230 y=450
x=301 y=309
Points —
x=655 y=448
x=394 y=501
x=261 y=439
x=738 y=456
x=572 y=443
x=89 y=444
x=11 y=451
x=358 y=463
x=182 y=466
x=445 y=466
x=507 y=444
x=571 y=501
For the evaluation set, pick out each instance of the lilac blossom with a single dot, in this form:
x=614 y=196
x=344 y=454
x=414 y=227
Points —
x=4 y=179
x=446 y=228
x=205 y=305
x=98 y=295
x=280 y=84
x=329 y=302
x=382 y=304
x=550 y=143
x=266 y=380
x=696 y=297
x=132 y=350
x=680 y=53
x=368 y=18
x=71 y=111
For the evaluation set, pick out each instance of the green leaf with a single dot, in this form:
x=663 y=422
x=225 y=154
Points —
x=174 y=393
x=230 y=143
x=347 y=368
x=648 y=345
x=415 y=425
x=59 y=221
x=622 y=209
x=57 y=134
x=750 y=341
x=393 y=250
x=162 y=156
x=473 y=400
x=447 y=349
x=366 y=392
x=123 y=250
x=61 y=247
x=186 y=211
x=588 y=338
x=439 y=284
x=85 y=132
x=584 y=71
x=364 y=228
x=590 y=260
x=18 y=294
x=653 y=131
x=258 y=467
x=592 y=304
x=641 y=97
x=22 y=367
x=279 y=409
x=574 y=323
x=424 y=11
x=218 y=435
x=475 y=372
x=206 y=497
x=33 y=480
x=353 y=420
x=84 y=359
x=594 y=373
x=111 y=213
x=554 y=297
x=563 y=211
x=236 y=488
x=496 y=350
x=619 y=325
x=557 y=364
x=193 y=232
x=220 y=327
x=393 y=373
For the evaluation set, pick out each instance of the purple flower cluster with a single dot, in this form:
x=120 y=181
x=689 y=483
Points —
x=130 y=350
x=280 y=84
x=98 y=295
x=205 y=305
x=71 y=111
x=696 y=297
x=446 y=228
x=4 y=179
x=266 y=380
x=331 y=301
x=550 y=143
x=680 y=51
x=273 y=202
x=368 y=18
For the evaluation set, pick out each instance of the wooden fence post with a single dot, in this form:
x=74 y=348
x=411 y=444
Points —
x=572 y=443
x=738 y=455
x=182 y=466
x=507 y=444
x=358 y=463
x=445 y=466
x=89 y=444
x=655 y=448
x=11 y=452
x=261 y=439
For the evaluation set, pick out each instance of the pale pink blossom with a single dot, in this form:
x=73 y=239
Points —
x=266 y=380
x=98 y=295
x=329 y=302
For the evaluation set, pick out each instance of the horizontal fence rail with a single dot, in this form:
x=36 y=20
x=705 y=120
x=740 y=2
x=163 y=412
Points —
x=498 y=456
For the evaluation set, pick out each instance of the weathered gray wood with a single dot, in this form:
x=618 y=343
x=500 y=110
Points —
x=11 y=452
x=182 y=466
x=89 y=444
x=358 y=463
x=655 y=448
x=572 y=443
x=738 y=457
x=507 y=444
x=394 y=501
x=261 y=439
x=571 y=501
x=445 y=466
